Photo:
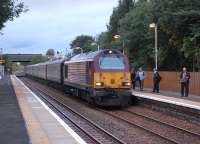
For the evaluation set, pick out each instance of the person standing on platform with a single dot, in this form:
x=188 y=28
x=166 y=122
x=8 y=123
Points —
x=184 y=80
x=133 y=74
x=156 y=81
x=136 y=79
x=141 y=78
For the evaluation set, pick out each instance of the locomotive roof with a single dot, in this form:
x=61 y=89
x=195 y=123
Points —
x=47 y=62
x=84 y=56
x=91 y=55
x=55 y=61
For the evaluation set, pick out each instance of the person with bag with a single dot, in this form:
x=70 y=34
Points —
x=184 y=80
x=156 y=81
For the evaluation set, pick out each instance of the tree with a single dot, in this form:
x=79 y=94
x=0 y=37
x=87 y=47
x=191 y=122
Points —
x=124 y=6
x=84 y=42
x=38 y=59
x=103 y=40
x=180 y=22
x=9 y=9
x=178 y=33
x=178 y=30
x=134 y=30
x=50 y=53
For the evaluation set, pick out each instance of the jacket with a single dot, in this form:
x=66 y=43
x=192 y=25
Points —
x=156 y=77
x=187 y=77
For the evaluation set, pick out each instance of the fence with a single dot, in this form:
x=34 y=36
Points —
x=171 y=82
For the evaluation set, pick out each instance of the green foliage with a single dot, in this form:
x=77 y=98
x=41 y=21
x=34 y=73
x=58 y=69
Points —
x=9 y=9
x=134 y=31
x=103 y=41
x=85 y=42
x=119 y=12
x=178 y=32
x=38 y=59
x=50 y=52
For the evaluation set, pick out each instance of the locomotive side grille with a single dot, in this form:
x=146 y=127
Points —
x=77 y=73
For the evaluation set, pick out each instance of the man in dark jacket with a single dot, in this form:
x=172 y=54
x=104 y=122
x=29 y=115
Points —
x=133 y=79
x=184 y=80
x=156 y=81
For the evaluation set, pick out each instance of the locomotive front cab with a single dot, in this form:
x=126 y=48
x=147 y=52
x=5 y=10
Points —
x=112 y=78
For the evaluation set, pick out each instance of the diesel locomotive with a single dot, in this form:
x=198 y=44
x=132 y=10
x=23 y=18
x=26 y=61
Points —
x=101 y=77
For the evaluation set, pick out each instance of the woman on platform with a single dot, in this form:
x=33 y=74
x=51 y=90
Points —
x=184 y=80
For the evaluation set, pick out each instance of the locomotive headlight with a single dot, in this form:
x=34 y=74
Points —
x=126 y=83
x=99 y=84
x=110 y=52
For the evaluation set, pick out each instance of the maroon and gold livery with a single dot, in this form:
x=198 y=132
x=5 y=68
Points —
x=104 y=76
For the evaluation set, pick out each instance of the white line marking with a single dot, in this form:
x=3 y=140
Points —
x=67 y=128
x=169 y=101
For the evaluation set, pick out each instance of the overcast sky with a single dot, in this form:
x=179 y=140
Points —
x=54 y=24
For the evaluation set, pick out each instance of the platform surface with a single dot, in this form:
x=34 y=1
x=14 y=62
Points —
x=12 y=125
x=43 y=125
x=170 y=97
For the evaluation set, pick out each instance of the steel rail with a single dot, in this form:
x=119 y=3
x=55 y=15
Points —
x=161 y=122
x=136 y=125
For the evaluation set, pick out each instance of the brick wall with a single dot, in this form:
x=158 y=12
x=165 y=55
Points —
x=171 y=82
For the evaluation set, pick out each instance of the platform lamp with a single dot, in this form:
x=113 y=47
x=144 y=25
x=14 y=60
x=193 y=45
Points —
x=123 y=44
x=154 y=26
x=77 y=48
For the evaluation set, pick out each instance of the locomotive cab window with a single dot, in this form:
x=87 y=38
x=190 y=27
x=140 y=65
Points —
x=111 y=62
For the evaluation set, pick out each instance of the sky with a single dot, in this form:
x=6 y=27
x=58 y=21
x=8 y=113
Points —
x=54 y=24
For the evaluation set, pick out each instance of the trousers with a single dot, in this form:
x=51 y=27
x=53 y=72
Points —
x=156 y=87
x=184 y=89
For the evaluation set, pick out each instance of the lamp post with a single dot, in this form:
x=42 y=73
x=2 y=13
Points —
x=155 y=27
x=123 y=44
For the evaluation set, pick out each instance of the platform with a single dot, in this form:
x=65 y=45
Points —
x=12 y=125
x=43 y=125
x=192 y=102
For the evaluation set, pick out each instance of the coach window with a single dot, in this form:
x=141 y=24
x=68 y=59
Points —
x=66 y=71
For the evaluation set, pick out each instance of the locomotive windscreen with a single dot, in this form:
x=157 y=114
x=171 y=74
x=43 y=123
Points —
x=112 y=62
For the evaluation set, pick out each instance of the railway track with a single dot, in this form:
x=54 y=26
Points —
x=163 y=123
x=139 y=126
x=173 y=139
x=94 y=132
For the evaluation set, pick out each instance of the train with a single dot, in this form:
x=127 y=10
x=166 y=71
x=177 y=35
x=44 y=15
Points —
x=101 y=77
